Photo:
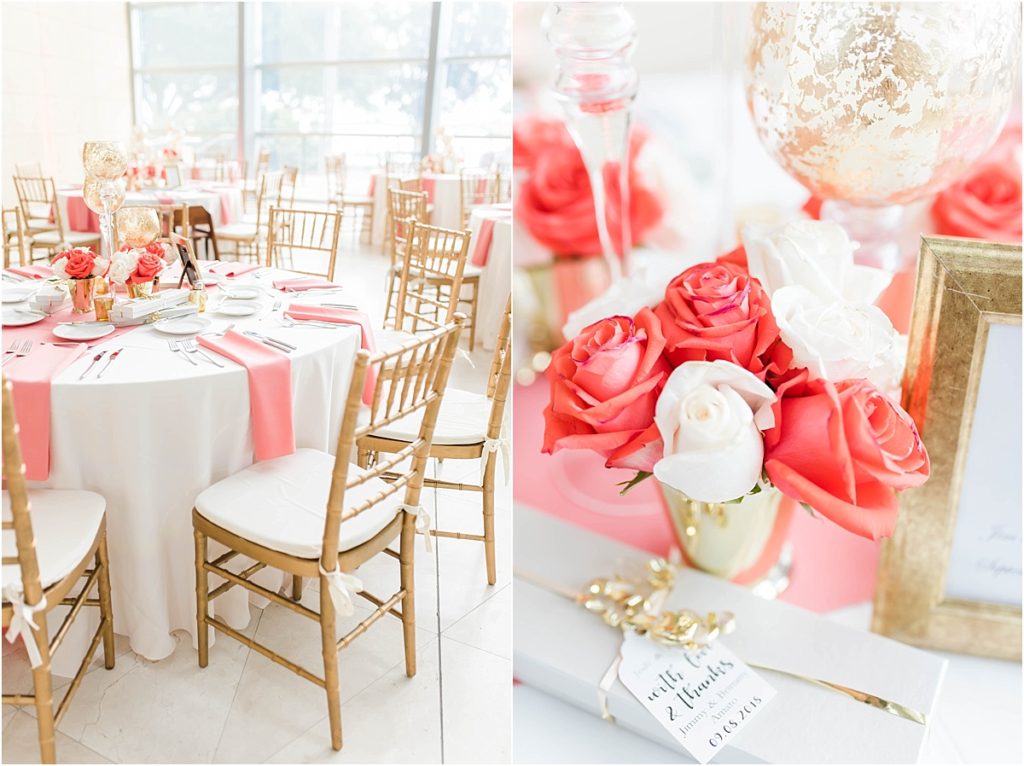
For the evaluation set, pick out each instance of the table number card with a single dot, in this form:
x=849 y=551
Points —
x=701 y=697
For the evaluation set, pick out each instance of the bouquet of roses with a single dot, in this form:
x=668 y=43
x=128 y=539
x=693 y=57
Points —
x=79 y=263
x=768 y=367
x=138 y=265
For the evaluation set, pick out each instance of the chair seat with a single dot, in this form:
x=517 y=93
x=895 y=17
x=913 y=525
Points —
x=462 y=420
x=237 y=231
x=250 y=218
x=71 y=237
x=471 y=272
x=64 y=524
x=40 y=224
x=356 y=200
x=282 y=504
x=388 y=340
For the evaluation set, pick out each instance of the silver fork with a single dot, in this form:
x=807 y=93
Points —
x=14 y=347
x=22 y=350
x=289 y=322
x=174 y=347
x=192 y=347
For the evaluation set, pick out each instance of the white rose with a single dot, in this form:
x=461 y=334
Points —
x=711 y=415
x=100 y=266
x=121 y=266
x=837 y=340
x=58 y=268
x=813 y=254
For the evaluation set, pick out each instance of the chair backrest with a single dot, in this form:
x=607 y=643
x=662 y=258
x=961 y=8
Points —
x=289 y=182
x=403 y=208
x=37 y=197
x=433 y=257
x=14 y=236
x=262 y=162
x=174 y=217
x=337 y=177
x=18 y=519
x=402 y=173
x=477 y=188
x=304 y=233
x=410 y=378
x=268 y=195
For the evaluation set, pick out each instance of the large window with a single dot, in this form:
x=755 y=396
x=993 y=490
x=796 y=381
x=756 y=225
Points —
x=360 y=78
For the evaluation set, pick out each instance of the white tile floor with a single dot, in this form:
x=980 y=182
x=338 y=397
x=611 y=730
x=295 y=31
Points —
x=244 y=708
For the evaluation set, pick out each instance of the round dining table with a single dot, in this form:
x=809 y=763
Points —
x=157 y=429
x=490 y=254
x=442 y=194
x=222 y=201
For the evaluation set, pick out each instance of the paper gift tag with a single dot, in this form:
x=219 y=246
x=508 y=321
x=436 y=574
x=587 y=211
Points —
x=702 y=697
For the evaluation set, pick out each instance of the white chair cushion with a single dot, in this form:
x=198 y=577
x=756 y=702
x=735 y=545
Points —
x=64 y=524
x=388 y=340
x=237 y=231
x=41 y=224
x=462 y=420
x=71 y=237
x=250 y=218
x=471 y=270
x=282 y=504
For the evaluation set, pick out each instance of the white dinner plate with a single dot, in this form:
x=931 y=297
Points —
x=231 y=309
x=16 y=294
x=242 y=293
x=83 y=330
x=21 y=317
x=189 y=325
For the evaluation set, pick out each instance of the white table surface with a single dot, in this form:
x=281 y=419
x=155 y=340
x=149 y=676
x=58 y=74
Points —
x=496 y=275
x=977 y=718
x=155 y=432
x=444 y=199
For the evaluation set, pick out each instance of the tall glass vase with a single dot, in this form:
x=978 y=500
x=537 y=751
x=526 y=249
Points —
x=596 y=85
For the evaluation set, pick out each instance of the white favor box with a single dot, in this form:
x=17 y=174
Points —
x=137 y=308
x=563 y=650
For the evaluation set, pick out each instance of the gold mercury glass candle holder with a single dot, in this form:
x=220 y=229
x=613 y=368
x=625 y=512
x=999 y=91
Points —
x=103 y=300
x=137 y=226
x=104 y=159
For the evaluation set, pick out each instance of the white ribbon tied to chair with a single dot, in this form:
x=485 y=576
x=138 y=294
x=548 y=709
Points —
x=343 y=588
x=23 y=621
x=422 y=523
x=495 y=445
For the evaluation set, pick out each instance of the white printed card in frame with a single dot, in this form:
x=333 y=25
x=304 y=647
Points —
x=950 y=577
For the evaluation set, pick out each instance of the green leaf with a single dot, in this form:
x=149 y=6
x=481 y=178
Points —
x=809 y=510
x=628 y=485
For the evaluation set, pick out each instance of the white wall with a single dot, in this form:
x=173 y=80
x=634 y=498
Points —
x=66 y=79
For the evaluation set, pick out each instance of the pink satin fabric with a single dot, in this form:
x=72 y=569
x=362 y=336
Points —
x=344 y=316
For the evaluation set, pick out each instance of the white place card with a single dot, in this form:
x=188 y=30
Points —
x=701 y=697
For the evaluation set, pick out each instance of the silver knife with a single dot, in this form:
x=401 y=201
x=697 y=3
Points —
x=267 y=341
x=94 y=360
x=110 y=359
x=288 y=346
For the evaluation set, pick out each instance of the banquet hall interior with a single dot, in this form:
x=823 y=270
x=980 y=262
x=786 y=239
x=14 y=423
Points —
x=301 y=224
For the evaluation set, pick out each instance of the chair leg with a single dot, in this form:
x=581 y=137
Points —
x=488 y=495
x=42 y=683
x=202 y=599
x=363 y=457
x=106 y=611
x=472 y=319
x=296 y=587
x=407 y=547
x=330 y=651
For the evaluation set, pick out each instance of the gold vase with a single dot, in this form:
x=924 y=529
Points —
x=743 y=542
x=139 y=289
x=82 y=292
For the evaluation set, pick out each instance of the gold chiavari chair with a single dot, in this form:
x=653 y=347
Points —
x=469 y=427
x=250 y=189
x=174 y=218
x=338 y=515
x=50 y=539
x=401 y=172
x=476 y=188
x=43 y=191
x=249 y=236
x=313 y=233
x=361 y=206
x=29 y=169
x=289 y=183
x=432 y=268
x=35 y=200
x=403 y=207
x=15 y=237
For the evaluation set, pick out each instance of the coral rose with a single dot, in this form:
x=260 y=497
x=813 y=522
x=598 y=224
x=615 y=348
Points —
x=717 y=311
x=842 y=449
x=146 y=268
x=79 y=263
x=554 y=202
x=605 y=384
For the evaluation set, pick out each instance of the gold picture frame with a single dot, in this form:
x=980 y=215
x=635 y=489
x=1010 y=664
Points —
x=963 y=287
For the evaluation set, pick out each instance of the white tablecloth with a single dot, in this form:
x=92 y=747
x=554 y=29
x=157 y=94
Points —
x=155 y=432
x=214 y=197
x=444 y=198
x=496 y=275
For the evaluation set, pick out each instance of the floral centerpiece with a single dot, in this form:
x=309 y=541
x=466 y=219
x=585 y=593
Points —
x=139 y=268
x=767 y=374
x=80 y=267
